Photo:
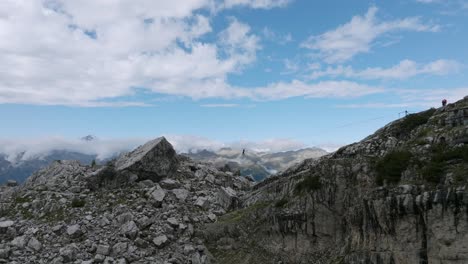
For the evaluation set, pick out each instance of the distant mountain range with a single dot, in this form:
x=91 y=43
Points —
x=20 y=169
x=259 y=165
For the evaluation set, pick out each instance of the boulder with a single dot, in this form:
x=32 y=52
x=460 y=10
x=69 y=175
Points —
x=119 y=248
x=124 y=218
x=19 y=242
x=157 y=196
x=154 y=160
x=180 y=194
x=173 y=222
x=160 y=241
x=4 y=253
x=68 y=253
x=74 y=231
x=4 y=225
x=227 y=198
x=103 y=250
x=144 y=222
x=169 y=184
x=130 y=230
x=202 y=202
x=34 y=244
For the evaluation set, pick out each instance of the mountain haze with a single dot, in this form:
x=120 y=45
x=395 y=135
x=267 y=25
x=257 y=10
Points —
x=259 y=165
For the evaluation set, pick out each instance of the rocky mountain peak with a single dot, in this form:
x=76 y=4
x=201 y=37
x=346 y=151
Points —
x=153 y=160
x=144 y=207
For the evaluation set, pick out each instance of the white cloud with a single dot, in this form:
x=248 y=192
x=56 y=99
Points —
x=290 y=67
x=405 y=69
x=358 y=35
x=36 y=148
x=107 y=148
x=330 y=146
x=87 y=52
x=238 y=44
x=275 y=37
x=266 y=4
x=269 y=145
x=97 y=53
x=428 y=1
x=296 y=88
x=219 y=105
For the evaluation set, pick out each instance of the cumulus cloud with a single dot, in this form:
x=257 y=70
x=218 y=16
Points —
x=403 y=70
x=275 y=37
x=219 y=105
x=358 y=35
x=26 y=149
x=98 y=53
x=330 y=146
x=84 y=52
x=296 y=88
x=429 y=1
x=265 y=4
x=290 y=67
x=269 y=145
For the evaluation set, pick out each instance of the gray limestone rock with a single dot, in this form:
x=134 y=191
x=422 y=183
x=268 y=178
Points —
x=68 y=253
x=181 y=194
x=19 y=242
x=169 y=184
x=153 y=160
x=160 y=241
x=130 y=230
x=103 y=250
x=173 y=222
x=5 y=225
x=119 y=249
x=4 y=253
x=74 y=231
x=34 y=244
x=202 y=202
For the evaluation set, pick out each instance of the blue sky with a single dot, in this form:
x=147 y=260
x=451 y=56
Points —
x=291 y=73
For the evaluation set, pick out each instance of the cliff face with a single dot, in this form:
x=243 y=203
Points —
x=398 y=196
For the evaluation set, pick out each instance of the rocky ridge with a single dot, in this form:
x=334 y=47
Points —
x=398 y=196
x=256 y=164
x=144 y=207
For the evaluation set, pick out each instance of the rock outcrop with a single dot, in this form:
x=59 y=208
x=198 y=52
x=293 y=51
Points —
x=153 y=161
x=70 y=213
x=398 y=196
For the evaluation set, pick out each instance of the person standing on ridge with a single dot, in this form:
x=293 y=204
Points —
x=243 y=152
x=444 y=102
